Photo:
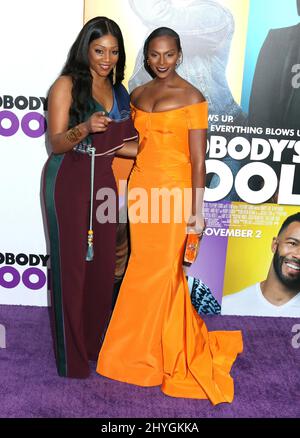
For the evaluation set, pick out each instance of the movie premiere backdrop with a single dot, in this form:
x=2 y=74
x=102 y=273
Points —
x=244 y=57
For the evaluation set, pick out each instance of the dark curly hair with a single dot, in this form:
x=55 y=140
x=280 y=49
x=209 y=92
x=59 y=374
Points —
x=77 y=64
x=159 y=32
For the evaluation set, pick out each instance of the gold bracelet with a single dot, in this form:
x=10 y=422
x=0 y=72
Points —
x=73 y=135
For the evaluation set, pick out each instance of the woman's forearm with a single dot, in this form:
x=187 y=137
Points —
x=65 y=141
x=198 y=186
x=129 y=150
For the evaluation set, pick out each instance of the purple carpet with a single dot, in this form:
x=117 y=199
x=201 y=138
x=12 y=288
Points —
x=266 y=374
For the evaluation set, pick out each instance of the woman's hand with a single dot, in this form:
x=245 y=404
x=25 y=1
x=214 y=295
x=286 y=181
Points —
x=98 y=122
x=196 y=224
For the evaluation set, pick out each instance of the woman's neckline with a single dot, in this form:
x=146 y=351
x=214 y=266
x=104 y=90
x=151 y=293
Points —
x=113 y=103
x=167 y=111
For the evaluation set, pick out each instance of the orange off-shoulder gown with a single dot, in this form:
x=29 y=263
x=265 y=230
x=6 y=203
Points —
x=155 y=336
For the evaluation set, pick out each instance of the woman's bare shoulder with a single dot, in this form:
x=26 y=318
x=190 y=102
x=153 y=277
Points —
x=60 y=93
x=136 y=93
x=192 y=94
x=63 y=84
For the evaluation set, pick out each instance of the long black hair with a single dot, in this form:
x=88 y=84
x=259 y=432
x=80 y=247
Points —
x=159 y=32
x=77 y=64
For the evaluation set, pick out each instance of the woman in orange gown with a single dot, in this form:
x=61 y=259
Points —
x=155 y=336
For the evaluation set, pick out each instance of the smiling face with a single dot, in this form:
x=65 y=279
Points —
x=163 y=55
x=103 y=55
x=286 y=260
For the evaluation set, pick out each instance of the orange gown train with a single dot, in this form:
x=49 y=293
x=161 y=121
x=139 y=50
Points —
x=155 y=336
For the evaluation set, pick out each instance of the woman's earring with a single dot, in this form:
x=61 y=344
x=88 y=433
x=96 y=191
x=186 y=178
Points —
x=114 y=74
x=179 y=61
